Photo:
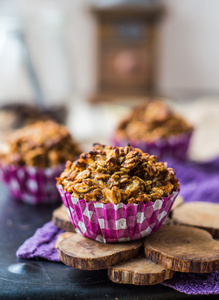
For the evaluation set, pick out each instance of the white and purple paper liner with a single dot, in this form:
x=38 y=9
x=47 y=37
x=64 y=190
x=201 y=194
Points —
x=111 y=223
x=173 y=147
x=30 y=184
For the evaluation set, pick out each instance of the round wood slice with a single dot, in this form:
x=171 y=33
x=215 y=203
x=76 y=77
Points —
x=183 y=249
x=61 y=237
x=61 y=219
x=82 y=253
x=139 y=271
x=178 y=202
x=199 y=214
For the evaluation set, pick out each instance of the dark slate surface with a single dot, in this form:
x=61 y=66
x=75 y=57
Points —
x=31 y=279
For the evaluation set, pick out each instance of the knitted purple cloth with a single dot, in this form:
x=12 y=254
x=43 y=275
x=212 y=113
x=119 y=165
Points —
x=195 y=284
x=41 y=244
x=199 y=182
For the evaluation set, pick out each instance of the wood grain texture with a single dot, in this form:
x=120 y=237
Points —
x=183 y=249
x=61 y=219
x=139 y=271
x=61 y=237
x=82 y=253
x=199 y=214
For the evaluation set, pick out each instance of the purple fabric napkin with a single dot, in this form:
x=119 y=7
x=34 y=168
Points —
x=195 y=284
x=199 y=182
x=41 y=244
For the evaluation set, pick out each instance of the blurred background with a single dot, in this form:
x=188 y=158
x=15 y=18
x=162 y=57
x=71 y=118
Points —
x=87 y=62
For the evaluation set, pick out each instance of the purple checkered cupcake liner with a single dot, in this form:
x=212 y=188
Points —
x=64 y=198
x=173 y=147
x=31 y=185
x=111 y=223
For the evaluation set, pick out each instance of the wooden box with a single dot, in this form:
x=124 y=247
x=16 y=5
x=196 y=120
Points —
x=127 y=37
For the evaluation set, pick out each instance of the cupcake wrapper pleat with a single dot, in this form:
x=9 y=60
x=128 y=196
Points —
x=110 y=223
x=31 y=185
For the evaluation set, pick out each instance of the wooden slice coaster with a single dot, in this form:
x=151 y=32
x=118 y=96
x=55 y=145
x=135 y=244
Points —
x=183 y=249
x=178 y=202
x=61 y=237
x=61 y=219
x=139 y=271
x=82 y=253
x=199 y=214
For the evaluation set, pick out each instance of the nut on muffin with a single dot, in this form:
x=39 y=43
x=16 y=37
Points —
x=118 y=174
x=42 y=144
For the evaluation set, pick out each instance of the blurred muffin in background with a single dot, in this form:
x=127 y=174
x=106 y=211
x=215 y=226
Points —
x=156 y=129
x=33 y=157
x=17 y=115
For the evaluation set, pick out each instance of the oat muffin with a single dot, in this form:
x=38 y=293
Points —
x=114 y=183
x=117 y=174
x=150 y=121
x=42 y=144
x=155 y=128
x=33 y=157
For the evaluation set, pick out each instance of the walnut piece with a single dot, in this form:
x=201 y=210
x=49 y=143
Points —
x=118 y=174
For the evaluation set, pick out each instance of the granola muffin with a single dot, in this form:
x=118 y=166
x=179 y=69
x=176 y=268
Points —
x=116 y=194
x=155 y=128
x=33 y=156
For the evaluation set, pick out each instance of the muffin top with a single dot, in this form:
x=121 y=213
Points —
x=150 y=121
x=42 y=144
x=118 y=174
